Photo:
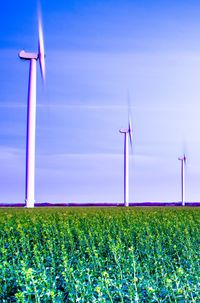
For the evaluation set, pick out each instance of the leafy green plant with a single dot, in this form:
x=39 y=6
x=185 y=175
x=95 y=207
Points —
x=100 y=255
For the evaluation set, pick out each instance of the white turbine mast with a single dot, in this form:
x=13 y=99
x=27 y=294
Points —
x=127 y=133
x=183 y=163
x=31 y=113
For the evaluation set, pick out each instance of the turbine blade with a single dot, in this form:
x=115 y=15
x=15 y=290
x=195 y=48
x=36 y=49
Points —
x=41 y=54
x=130 y=132
x=185 y=151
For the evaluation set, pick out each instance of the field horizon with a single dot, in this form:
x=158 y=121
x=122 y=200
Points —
x=93 y=204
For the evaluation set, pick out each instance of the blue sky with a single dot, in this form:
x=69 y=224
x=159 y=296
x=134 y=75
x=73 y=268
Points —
x=97 y=51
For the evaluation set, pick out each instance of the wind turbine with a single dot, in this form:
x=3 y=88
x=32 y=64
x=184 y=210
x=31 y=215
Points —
x=127 y=137
x=183 y=163
x=31 y=113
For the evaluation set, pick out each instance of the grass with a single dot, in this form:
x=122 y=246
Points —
x=100 y=255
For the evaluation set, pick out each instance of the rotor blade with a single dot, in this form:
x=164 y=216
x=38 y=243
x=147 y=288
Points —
x=184 y=150
x=41 y=53
x=130 y=132
x=129 y=118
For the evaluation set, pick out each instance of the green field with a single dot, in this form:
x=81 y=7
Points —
x=100 y=255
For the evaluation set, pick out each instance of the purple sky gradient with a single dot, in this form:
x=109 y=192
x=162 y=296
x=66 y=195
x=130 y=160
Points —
x=96 y=51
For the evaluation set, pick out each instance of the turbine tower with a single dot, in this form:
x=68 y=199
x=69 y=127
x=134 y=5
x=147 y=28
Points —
x=127 y=137
x=31 y=113
x=183 y=163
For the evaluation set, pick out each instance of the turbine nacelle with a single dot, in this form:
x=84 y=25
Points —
x=27 y=56
x=183 y=159
x=124 y=130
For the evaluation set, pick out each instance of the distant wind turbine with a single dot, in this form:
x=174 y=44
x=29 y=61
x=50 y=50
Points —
x=183 y=163
x=31 y=113
x=127 y=137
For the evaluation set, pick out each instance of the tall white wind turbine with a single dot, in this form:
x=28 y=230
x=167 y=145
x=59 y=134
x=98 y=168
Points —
x=127 y=137
x=183 y=163
x=31 y=113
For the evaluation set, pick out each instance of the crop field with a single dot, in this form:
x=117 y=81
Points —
x=100 y=255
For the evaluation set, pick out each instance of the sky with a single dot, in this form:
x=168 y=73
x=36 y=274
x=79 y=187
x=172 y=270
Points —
x=98 y=53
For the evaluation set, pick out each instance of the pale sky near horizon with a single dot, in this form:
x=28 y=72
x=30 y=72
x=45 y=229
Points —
x=97 y=51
